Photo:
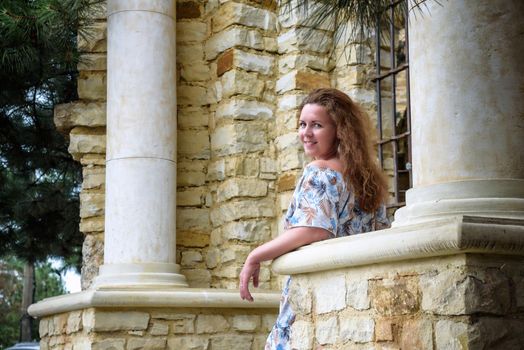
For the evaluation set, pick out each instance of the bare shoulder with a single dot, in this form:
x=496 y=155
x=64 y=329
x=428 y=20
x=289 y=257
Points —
x=334 y=164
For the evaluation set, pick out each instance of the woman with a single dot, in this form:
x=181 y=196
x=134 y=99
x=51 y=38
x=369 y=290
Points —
x=340 y=193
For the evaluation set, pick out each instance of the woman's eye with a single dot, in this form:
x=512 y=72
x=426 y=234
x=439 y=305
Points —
x=316 y=125
x=301 y=125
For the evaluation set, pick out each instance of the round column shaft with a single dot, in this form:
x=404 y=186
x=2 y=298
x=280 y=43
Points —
x=140 y=236
x=467 y=93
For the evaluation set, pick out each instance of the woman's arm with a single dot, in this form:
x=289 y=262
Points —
x=286 y=242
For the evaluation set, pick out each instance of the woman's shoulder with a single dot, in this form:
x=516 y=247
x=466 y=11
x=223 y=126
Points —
x=326 y=165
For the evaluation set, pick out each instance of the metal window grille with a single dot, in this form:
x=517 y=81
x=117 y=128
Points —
x=392 y=92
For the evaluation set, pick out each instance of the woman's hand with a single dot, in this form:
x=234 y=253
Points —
x=250 y=269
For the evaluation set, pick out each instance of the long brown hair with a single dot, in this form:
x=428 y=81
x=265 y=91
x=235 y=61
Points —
x=355 y=147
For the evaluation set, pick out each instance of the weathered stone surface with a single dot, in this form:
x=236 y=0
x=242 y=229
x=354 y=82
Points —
x=192 y=239
x=120 y=321
x=357 y=294
x=191 y=258
x=301 y=298
x=237 y=138
x=294 y=14
x=238 y=187
x=231 y=37
x=191 y=173
x=300 y=61
x=58 y=324
x=329 y=292
x=417 y=334
x=182 y=323
x=248 y=230
x=235 y=252
x=302 y=335
x=225 y=342
x=187 y=10
x=302 y=80
x=239 y=109
x=93 y=178
x=246 y=60
x=450 y=335
x=189 y=53
x=158 y=343
x=193 y=144
x=189 y=32
x=291 y=159
x=268 y=321
x=92 y=258
x=188 y=342
x=195 y=71
x=356 y=329
x=326 y=330
x=247 y=209
x=237 y=13
x=109 y=344
x=96 y=41
x=92 y=224
x=237 y=82
x=79 y=113
x=93 y=62
x=211 y=324
x=91 y=204
x=383 y=330
x=190 y=197
x=197 y=278
x=246 y=323
x=304 y=39
x=191 y=95
x=399 y=296
x=74 y=322
x=192 y=218
x=92 y=85
x=290 y=102
x=288 y=141
x=496 y=333
x=159 y=329
x=43 y=327
x=80 y=142
x=192 y=117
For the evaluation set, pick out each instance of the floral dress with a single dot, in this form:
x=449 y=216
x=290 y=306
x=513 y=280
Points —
x=322 y=200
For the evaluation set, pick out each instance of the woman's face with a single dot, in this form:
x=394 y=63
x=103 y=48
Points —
x=317 y=132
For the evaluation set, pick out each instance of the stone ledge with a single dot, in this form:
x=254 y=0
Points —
x=460 y=234
x=181 y=298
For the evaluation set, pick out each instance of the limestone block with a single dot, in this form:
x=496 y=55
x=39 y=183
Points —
x=395 y=297
x=234 y=253
x=146 y=343
x=248 y=209
x=191 y=258
x=250 y=166
x=363 y=97
x=192 y=239
x=92 y=85
x=109 y=344
x=183 y=323
x=496 y=333
x=326 y=330
x=235 y=82
x=195 y=71
x=192 y=117
x=248 y=230
x=217 y=170
x=191 y=173
x=357 y=295
x=417 y=334
x=288 y=141
x=193 y=144
x=239 y=187
x=92 y=159
x=239 y=109
x=227 y=342
x=262 y=64
x=188 y=342
x=293 y=14
x=287 y=121
x=268 y=321
x=259 y=342
x=302 y=80
x=192 y=218
x=92 y=224
x=354 y=54
x=213 y=258
x=197 y=278
x=302 y=338
x=92 y=62
x=287 y=63
x=349 y=77
x=57 y=341
x=74 y=322
x=191 y=197
x=383 y=330
x=191 y=95
x=231 y=271
x=187 y=10
x=188 y=53
x=96 y=41
x=450 y=335
x=189 y=32
x=285 y=200
x=120 y=321
x=93 y=178
x=268 y=165
x=211 y=324
x=246 y=323
x=232 y=37
x=43 y=327
x=270 y=44
x=356 y=329
x=159 y=329
x=91 y=204
x=80 y=142
x=290 y=102
x=287 y=182
x=238 y=138
x=290 y=159
x=237 y=13
x=298 y=39
x=59 y=324
x=329 y=293
x=301 y=297
x=80 y=113
x=92 y=258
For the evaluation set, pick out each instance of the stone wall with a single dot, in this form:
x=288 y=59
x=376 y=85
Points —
x=196 y=329
x=464 y=301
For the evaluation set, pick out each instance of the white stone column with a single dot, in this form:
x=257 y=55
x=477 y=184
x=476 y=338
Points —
x=140 y=236
x=467 y=93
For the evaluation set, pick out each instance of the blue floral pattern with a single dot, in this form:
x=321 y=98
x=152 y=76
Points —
x=321 y=199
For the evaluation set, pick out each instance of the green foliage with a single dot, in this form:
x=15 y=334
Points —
x=39 y=204
x=47 y=283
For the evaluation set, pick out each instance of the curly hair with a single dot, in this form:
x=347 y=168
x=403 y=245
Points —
x=355 y=148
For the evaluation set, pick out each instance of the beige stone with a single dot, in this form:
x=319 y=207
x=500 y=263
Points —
x=192 y=117
x=238 y=82
x=240 y=109
x=450 y=335
x=191 y=173
x=246 y=323
x=239 y=187
x=93 y=178
x=287 y=121
x=225 y=342
x=125 y=320
x=188 y=342
x=80 y=113
x=192 y=218
x=92 y=224
x=235 y=252
x=92 y=86
x=96 y=41
x=290 y=102
x=195 y=71
x=229 y=271
x=268 y=320
x=247 y=138
x=189 y=32
x=193 y=144
x=417 y=334
x=301 y=297
x=329 y=293
x=231 y=37
x=270 y=44
x=198 y=278
x=191 y=258
x=192 y=239
x=182 y=323
x=357 y=294
x=302 y=335
x=238 y=13
x=190 y=197
x=189 y=53
x=326 y=330
x=395 y=296
x=159 y=329
x=191 y=95
x=158 y=343
x=288 y=141
x=383 y=330
x=356 y=329
x=300 y=61
x=43 y=327
x=302 y=80
x=296 y=39
x=91 y=204
x=86 y=143
x=211 y=324
x=92 y=61
x=245 y=209
x=74 y=322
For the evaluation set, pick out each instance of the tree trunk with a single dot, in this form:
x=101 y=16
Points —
x=27 y=299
